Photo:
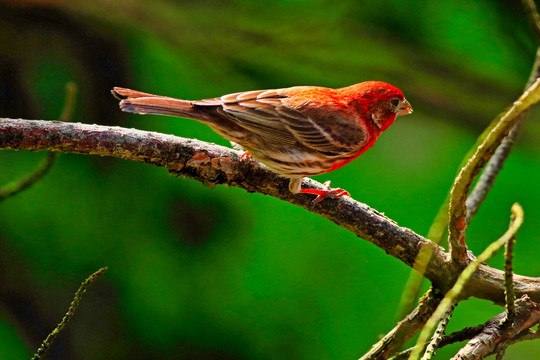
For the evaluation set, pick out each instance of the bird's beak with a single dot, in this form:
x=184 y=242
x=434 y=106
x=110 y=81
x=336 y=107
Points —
x=404 y=108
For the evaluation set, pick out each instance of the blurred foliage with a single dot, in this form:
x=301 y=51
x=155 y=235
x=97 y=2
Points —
x=197 y=273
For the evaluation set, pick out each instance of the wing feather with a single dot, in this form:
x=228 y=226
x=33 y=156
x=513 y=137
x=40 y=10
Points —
x=266 y=114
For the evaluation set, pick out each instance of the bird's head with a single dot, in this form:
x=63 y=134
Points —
x=382 y=101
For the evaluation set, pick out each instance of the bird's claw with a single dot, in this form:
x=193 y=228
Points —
x=327 y=192
x=245 y=157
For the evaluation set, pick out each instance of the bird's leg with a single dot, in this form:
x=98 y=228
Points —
x=328 y=192
x=245 y=156
x=296 y=187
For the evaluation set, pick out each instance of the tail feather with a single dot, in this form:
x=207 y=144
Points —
x=123 y=93
x=143 y=103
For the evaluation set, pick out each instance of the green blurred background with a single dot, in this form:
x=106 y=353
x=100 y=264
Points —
x=200 y=273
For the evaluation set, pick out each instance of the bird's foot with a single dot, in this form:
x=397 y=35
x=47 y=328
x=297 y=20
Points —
x=327 y=192
x=245 y=156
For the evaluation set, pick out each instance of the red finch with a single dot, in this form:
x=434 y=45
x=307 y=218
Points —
x=298 y=131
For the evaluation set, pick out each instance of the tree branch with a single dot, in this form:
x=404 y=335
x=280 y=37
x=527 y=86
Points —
x=458 y=209
x=495 y=164
x=479 y=192
x=439 y=333
x=404 y=330
x=470 y=205
x=498 y=334
x=509 y=294
x=533 y=17
x=214 y=165
x=19 y=185
x=43 y=168
x=458 y=336
x=455 y=293
x=69 y=314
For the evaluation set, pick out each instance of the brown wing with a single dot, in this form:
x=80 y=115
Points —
x=266 y=114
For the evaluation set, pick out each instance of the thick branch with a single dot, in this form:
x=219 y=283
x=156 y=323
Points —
x=213 y=165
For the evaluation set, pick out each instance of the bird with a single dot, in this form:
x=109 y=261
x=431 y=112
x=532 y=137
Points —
x=297 y=131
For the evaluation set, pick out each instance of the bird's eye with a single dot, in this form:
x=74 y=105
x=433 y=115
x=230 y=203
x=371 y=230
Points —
x=395 y=101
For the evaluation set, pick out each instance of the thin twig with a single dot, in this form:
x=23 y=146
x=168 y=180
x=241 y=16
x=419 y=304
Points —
x=475 y=199
x=414 y=283
x=439 y=333
x=494 y=167
x=405 y=329
x=498 y=334
x=495 y=164
x=435 y=234
x=534 y=18
x=500 y=354
x=458 y=209
x=69 y=102
x=464 y=277
x=43 y=168
x=485 y=182
x=509 y=293
x=71 y=311
x=492 y=170
x=17 y=186
x=469 y=333
x=457 y=336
